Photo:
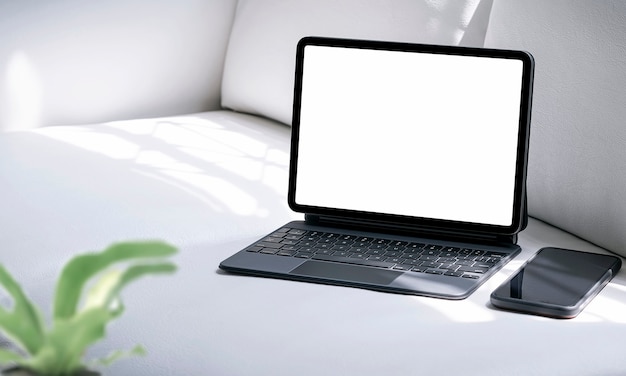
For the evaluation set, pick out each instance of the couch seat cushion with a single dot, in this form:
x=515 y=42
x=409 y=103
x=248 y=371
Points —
x=212 y=183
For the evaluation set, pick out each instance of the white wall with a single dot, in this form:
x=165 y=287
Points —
x=577 y=160
x=77 y=61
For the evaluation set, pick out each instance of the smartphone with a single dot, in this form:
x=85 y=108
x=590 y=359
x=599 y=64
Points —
x=556 y=282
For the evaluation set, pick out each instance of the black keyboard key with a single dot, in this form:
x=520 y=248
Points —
x=428 y=258
x=435 y=271
x=324 y=251
x=272 y=239
x=472 y=269
x=268 y=245
x=269 y=251
x=344 y=242
x=323 y=246
x=358 y=250
x=470 y=276
x=378 y=252
x=288 y=242
x=449 y=254
x=416 y=246
x=339 y=253
x=479 y=265
x=399 y=243
x=430 y=264
x=453 y=274
x=477 y=252
x=429 y=252
x=432 y=247
x=293 y=237
x=350 y=260
x=412 y=262
x=403 y=267
x=286 y=253
x=393 y=254
x=449 y=266
x=377 y=246
x=498 y=255
x=376 y=258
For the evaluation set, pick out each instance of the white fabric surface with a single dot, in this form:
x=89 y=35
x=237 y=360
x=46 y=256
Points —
x=216 y=175
x=259 y=70
x=212 y=183
x=68 y=62
x=577 y=162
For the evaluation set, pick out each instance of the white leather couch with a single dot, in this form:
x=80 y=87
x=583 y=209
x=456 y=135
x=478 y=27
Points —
x=170 y=120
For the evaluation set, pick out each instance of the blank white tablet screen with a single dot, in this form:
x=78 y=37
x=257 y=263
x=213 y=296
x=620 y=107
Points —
x=412 y=134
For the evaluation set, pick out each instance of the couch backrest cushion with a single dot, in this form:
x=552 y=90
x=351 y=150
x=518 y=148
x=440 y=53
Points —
x=73 y=62
x=259 y=69
x=577 y=166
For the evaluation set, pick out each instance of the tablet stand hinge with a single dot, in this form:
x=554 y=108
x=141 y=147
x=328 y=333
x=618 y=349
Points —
x=408 y=230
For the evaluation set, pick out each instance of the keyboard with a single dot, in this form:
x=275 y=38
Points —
x=378 y=252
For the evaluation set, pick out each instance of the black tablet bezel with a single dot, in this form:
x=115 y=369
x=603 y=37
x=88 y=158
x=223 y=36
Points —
x=519 y=214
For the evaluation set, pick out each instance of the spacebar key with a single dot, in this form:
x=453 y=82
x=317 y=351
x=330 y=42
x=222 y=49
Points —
x=350 y=260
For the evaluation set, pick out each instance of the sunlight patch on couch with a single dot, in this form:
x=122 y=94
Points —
x=226 y=166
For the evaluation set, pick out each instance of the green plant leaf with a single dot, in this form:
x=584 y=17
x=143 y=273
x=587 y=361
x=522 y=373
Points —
x=24 y=324
x=7 y=356
x=68 y=339
x=118 y=355
x=98 y=295
x=109 y=286
x=80 y=269
x=71 y=337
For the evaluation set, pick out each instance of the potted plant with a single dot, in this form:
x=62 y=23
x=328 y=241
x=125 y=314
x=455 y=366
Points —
x=86 y=299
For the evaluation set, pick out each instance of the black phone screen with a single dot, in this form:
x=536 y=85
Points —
x=556 y=282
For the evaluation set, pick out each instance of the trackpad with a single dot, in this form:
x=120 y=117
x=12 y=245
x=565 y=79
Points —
x=346 y=272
